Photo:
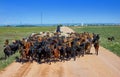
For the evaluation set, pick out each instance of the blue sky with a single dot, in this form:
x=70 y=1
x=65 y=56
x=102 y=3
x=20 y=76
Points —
x=59 y=11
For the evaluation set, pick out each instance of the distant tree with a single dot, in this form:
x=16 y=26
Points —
x=72 y=25
x=8 y=26
x=60 y=25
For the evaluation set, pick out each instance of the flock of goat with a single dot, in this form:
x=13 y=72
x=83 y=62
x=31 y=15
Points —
x=48 y=46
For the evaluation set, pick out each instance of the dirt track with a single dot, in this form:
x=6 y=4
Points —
x=106 y=64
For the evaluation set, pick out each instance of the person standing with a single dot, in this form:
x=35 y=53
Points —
x=58 y=29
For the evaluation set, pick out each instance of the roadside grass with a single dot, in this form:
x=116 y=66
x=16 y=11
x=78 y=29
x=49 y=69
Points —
x=13 y=33
x=105 y=32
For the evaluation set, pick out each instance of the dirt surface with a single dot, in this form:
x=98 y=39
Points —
x=106 y=64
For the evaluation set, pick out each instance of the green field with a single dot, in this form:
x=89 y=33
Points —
x=105 y=32
x=13 y=33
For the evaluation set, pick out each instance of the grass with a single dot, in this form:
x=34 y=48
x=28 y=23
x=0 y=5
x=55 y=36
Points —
x=13 y=33
x=105 y=32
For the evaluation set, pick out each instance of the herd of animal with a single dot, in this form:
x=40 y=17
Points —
x=52 y=46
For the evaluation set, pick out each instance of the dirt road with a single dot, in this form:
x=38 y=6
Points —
x=106 y=64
